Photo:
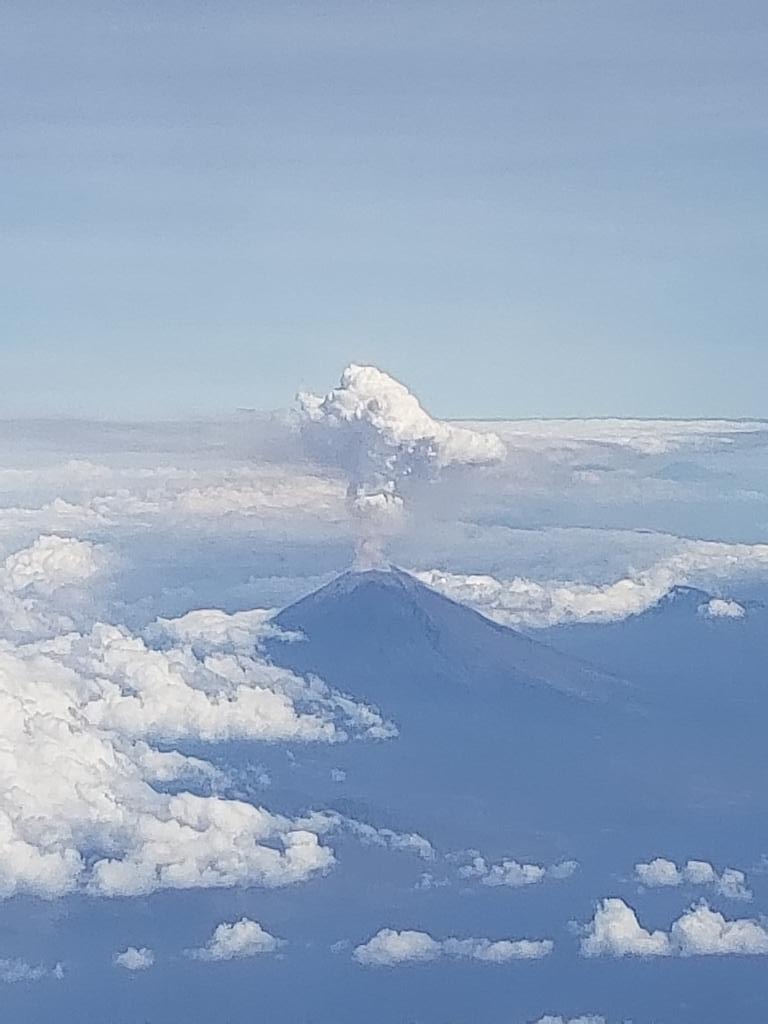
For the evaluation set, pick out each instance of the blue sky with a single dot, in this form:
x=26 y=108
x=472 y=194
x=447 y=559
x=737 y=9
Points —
x=530 y=208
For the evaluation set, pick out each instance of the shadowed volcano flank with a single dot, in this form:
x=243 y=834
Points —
x=364 y=626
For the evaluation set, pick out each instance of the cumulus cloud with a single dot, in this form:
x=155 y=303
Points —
x=718 y=608
x=704 y=932
x=528 y=603
x=374 y=430
x=513 y=874
x=590 y=1018
x=133 y=959
x=615 y=931
x=409 y=842
x=209 y=629
x=44 y=586
x=243 y=938
x=330 y=822
x=83 y=805
x=13 y=971
x=427 y=881
x=662 y=873
x=389 y=948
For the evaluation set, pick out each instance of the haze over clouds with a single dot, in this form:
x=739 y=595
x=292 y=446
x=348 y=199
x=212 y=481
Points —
x=645 y=436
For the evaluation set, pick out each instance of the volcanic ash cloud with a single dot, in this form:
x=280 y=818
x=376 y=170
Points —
x=378 y=434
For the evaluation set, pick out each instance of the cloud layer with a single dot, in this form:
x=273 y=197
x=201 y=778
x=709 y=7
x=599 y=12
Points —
x=528 y=603
x=84 y=804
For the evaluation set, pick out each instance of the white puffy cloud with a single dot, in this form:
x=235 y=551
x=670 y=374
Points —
x=210 y=629
x=135 y=959
x=52 y=563
x=243 y=938
x=377 y=433
x=661 y=873
x=408 y=842
x=703 y=932
x=389 y=948
x=82 y=803
x=615 y=931
x=44 y=586
x=13 y=971
x=528 y=603
x=513 y=874
x=718 y=608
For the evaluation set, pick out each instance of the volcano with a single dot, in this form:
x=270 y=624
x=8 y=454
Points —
x=387 y=636
x=500 y=731
x=493 y=726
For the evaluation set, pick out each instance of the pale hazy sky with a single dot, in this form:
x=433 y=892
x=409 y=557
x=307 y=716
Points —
x=522 y=208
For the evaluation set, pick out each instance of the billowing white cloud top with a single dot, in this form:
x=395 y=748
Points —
x=135 y=959
x=615 y=931
x=378 y=434
x=662 y=873
x=389 y=948
x=528 y=603
x=243 y=938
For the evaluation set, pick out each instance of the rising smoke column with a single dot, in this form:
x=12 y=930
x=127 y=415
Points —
x=376 y=431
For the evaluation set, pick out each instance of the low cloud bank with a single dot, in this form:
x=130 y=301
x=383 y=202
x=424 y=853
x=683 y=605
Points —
x=83 y=706
x=527 y=603
x=243 y=938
